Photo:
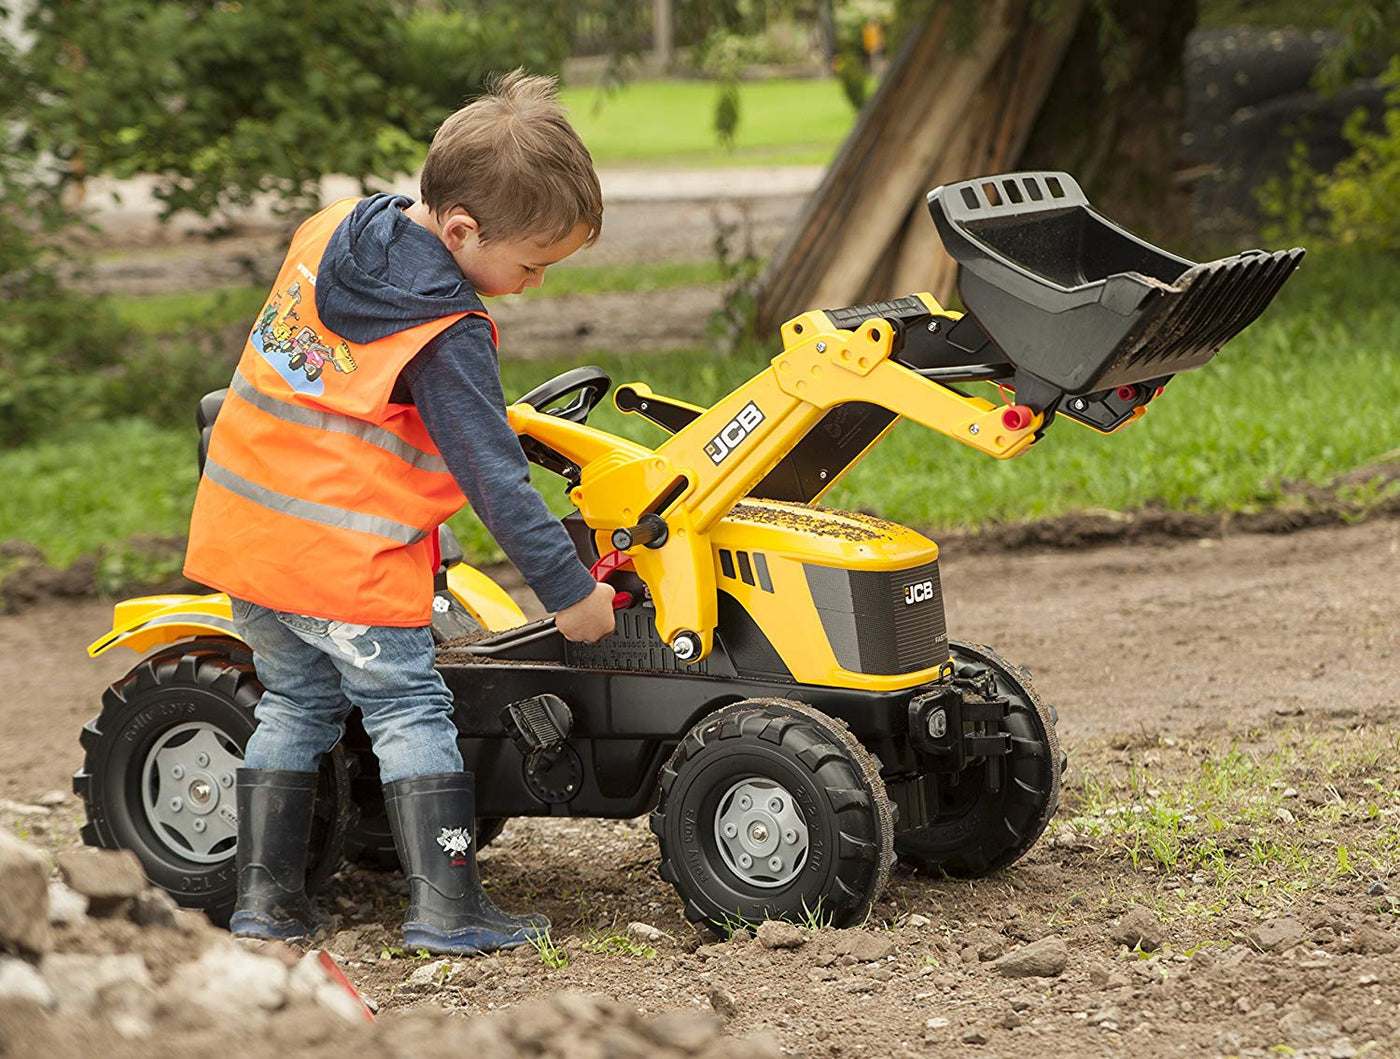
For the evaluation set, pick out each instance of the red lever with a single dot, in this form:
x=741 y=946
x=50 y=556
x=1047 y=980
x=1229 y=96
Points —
x=1016 y=417
x=609 y=564
x=1127 y=393
x=622 y=600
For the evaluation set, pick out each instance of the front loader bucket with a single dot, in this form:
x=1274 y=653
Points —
x=1082 y=304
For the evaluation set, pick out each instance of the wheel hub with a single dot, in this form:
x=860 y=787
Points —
x=761 y=833
x=187 y=790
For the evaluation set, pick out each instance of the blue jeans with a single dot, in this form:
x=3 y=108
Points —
x=315 y=670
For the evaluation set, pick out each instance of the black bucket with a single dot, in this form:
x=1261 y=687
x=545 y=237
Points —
x=1082 y=304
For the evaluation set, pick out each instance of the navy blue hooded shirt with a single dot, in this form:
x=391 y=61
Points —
x=383 y=273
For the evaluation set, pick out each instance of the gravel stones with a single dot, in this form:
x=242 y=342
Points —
x=24 y=897
x=776 y=934
x=106 y=877
x=1046 y=958
x=1138 y=929
x=1276 y=934
x=865 y=946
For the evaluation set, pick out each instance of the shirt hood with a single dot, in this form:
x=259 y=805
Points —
x=382 y=273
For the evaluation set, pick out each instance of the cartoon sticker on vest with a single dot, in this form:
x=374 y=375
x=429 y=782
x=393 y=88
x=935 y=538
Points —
x=275 y=336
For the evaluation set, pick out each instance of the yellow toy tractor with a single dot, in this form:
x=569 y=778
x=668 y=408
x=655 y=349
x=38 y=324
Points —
x=781 y=693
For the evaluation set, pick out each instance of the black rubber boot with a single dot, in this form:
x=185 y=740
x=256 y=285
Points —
x=274 y=830
x=434 y=824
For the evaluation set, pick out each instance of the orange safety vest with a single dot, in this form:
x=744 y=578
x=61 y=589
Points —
x=319 y=496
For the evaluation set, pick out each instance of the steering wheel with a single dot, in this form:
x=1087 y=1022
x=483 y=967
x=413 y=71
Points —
x=589 y=383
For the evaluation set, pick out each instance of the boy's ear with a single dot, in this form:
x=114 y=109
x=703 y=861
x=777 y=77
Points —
x=458 y=226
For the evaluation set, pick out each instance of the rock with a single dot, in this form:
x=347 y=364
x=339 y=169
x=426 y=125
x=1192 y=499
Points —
x=1045 y=958
x=937 y=1023
x=129 y=1006
x=79 y=980
x=1307 y=1023
x=66 y=907
x=866 y=946
x=647 y=933
x=154 y=907
x=1372 y=939
x=1138 y=929
x=24 y=896
x=973 y=1036
x=20 y=981
x=53 y=799
x=776 y=934
x=106 y=877
x=913 y=919
x=430 y=976
x=722 y=1002
x=1377 y=889
x=231 y=980
x=1276 y=934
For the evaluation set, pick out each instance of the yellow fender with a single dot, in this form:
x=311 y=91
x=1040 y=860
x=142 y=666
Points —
x=153 y=621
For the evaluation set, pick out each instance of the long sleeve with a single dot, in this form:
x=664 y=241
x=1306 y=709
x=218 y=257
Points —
x=456 y=386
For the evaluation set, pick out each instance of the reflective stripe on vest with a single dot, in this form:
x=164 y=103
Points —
x=333 y=421
x=320 y=495
x=309 y=509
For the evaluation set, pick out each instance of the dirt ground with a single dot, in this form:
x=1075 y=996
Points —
x=1231 y=708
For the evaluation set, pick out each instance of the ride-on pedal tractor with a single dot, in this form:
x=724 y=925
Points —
x=781 y=693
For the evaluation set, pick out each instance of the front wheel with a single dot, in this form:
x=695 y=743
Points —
x=976 y=827
x=159 y=776
x=769 y=809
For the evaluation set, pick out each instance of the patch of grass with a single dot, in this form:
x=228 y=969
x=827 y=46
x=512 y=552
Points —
x=782 y=122
x=552 y=955
x=616 y=943
x=1218 y=823
x=625 y=277
x=168 y=314
x=814 y=918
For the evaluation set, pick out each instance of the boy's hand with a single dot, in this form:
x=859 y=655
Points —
x=591 y=618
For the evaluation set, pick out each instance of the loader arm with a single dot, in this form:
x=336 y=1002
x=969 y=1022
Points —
x=695 y=477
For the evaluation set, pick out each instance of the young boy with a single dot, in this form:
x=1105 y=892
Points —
x=366 y=404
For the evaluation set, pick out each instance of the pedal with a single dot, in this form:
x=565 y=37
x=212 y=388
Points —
x=538 y=726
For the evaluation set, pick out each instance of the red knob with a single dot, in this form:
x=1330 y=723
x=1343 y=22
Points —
x=622 y=600
x=1016 y=417
x=1127 y=393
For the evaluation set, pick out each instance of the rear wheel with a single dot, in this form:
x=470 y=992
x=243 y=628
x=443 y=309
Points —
x=973 y=831
x=159 y=775
x=770 y=809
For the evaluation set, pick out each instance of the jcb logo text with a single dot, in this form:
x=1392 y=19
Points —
x=735 y=431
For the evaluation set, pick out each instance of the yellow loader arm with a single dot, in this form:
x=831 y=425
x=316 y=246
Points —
x=694 y=478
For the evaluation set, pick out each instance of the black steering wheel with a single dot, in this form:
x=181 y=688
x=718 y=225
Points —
x=589 y=383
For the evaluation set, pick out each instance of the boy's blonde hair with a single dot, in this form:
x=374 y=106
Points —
x=514 y=162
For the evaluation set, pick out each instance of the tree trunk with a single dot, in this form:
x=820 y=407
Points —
x=1022 y=93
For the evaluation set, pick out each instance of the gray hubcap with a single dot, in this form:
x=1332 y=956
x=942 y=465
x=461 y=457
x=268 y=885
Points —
x=761 y=833
x=187 y=788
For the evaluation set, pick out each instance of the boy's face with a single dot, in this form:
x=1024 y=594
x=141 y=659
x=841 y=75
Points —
x=504 y=266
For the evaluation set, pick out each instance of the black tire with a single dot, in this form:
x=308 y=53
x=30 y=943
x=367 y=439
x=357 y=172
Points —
x=973 y=832
x=369 y=842
x=836 y=789
x=296 y=360
x=313 y=373
x=203 y=689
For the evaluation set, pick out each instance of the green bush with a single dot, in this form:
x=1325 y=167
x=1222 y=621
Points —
x=1362 y=194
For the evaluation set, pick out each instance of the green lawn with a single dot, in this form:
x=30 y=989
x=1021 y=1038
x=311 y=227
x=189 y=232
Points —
x=1308 y=392
x=662 y=123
